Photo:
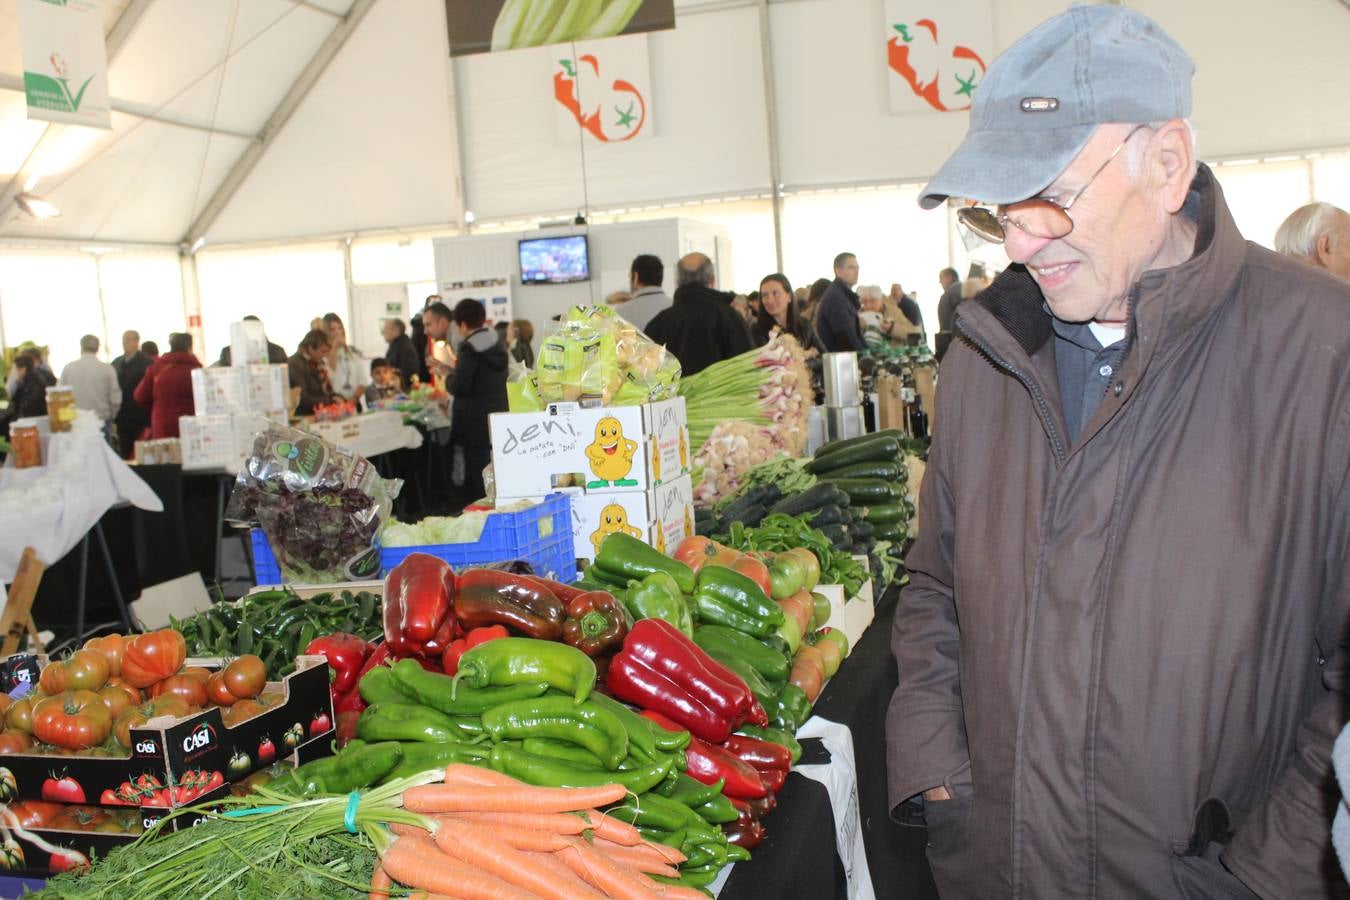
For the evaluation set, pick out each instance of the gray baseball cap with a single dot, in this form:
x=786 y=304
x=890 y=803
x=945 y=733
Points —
x=1043 y=97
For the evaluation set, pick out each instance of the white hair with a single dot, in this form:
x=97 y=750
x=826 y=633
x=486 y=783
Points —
x=1134 y=151
x=1298 y=235
x=870 y=292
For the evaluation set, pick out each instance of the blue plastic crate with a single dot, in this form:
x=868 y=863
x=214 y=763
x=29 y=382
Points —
x=540 y=535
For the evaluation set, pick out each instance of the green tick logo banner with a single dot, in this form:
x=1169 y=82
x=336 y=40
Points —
x=936 y=52
x=482 y=26
x=604 y=88
x=65 y=62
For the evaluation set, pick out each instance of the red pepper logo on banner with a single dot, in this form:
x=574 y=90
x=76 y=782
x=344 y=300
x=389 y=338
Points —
x=614 y=116
x=940 y=58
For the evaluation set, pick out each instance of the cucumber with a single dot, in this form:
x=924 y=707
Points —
x=814 y=497
x=827 y=515
x=842 y=443
x=881 y=513
x=868 y=490
x=887 y=470
x=883 y=449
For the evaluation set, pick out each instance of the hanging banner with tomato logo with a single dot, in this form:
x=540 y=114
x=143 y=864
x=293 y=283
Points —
x=937 y=53
x=482 y=26
x=603 y=87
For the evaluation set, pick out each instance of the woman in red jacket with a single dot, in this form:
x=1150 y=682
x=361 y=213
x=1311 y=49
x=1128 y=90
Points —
x=166 y=389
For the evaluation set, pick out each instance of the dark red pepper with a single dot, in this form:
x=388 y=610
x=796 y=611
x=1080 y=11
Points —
x=708 y=762
x=596 y=622
x=419 y=598
x=346 y=653
x=564 y=592
x=747 y=831
x=635 y=682
x=492 y=597
x=666 y=651
x=762 y=806
x=759 y=754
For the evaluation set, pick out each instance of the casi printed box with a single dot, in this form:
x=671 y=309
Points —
x=610 y=449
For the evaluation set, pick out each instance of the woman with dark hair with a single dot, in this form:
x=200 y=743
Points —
x=521 y=344
x=777 y=309
x=346 y=369
x=166 y=389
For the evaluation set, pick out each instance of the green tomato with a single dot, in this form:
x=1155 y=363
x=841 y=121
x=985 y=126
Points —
x=822 y=609
x=791 y=633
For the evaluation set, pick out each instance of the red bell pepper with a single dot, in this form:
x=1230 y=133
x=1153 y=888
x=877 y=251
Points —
x=596 y=622
x=759 y=754
x=419 y=599
x=707 y=763
x=346 y=654
x=659 y=668
x=450 y=659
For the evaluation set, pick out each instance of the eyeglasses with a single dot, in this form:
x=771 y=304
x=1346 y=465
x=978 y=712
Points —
x=1039 y=217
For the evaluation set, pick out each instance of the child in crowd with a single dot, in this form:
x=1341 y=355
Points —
x=386 y=382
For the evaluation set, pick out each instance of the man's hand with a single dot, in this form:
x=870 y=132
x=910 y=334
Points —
x=937 y=793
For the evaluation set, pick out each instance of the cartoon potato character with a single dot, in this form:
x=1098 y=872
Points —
x=688 y=521
x=610 y=455
x=613 y=519
x=661 y=541
x=684 y=449
x=656 y=463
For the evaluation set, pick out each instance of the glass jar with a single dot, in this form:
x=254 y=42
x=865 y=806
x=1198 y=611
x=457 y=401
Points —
x=60 y=407
x=26 y=441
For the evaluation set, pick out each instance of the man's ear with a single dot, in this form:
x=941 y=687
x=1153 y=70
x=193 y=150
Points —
x=1173 y=156
x=1322 y=251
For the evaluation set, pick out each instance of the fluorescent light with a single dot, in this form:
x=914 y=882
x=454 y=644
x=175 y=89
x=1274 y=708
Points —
x=36 y=206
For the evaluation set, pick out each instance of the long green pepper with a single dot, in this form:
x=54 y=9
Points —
x=512 y=661
x=558 y=718
x=544 y=771
x=441 y=693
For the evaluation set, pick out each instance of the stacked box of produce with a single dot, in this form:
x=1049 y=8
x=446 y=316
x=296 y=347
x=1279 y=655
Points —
x=105 y=743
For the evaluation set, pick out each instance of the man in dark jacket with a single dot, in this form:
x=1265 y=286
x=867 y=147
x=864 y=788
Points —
x=479 y=388
x=700 y=327
x=837 y=326
x=1121 y=650
x=401 y=354
x=132 y=418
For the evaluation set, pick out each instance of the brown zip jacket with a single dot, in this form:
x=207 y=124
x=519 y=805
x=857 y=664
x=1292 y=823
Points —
x=1123 y=657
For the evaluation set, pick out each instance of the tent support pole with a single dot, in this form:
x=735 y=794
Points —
x=771 y=115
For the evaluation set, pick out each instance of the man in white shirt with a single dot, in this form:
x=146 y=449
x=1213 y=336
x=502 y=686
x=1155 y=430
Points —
x=645 y=277
x=94 y=381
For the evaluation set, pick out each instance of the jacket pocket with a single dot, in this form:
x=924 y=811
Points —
x=1203 y=877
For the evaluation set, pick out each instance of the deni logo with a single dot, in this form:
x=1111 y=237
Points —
x=200 y=737
x=147 y=746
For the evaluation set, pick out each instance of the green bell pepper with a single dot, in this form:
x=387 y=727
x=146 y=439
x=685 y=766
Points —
x=545 y=771
x=626 y=556
x=794 y=708
x=589 y=726
x=768 y=662
x=778 y=736
x=714 y=611
x=658 y=597
x=421 y=757
x=738 y=591
x=352 y=769
x=514 y=660
x=378 y=686
x=411 y=722
x=441 y=693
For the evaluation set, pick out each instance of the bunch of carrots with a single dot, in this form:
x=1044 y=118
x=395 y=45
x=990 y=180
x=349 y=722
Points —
x=490 y=836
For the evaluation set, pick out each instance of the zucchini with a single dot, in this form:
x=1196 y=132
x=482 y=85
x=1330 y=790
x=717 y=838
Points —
x=867 y=490
x=827 y=515
x=842 y=443
x=753 y=516
x=896 y=533
x=881 y=513
x=861 y=529
x=814 y=497
x=836 y=535
x=765 y=495
x=887 y=470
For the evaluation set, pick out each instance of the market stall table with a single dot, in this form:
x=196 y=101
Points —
x=800 y=856
x=57 y=506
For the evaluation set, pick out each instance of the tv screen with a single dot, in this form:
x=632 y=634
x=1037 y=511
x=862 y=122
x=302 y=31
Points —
x=555 y=260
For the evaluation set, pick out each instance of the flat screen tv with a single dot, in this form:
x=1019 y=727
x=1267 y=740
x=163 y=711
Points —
x=554 y=260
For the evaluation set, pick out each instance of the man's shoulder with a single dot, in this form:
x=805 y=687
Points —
x=1293 y=294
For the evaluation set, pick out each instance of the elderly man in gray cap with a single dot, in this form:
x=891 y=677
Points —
x=1120 y=651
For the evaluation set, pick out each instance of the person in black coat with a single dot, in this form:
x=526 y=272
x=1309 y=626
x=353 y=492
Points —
x=419 y=338
x=478 y=386
x=30 y=393
x=401 y=354
x=700 y=327
x=131 y=417
x=837 y=324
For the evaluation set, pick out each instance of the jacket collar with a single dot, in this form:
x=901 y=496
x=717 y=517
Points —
x=700 y=293
x=1167 y=303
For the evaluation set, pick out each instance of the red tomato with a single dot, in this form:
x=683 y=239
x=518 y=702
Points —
x=695 y=551
x=267 y=751
x=35 y=813
x=66 y=860
x=450 y=658
x=13 y=741
x=19 y=717
x=485 y=634
x=319 y=724
x=84 y=670
x=755 y=570
x=116 y=699
x=153 y=657
x=62 y=790
x=217 y=692
x=75 y=720
x=189 y=689
x=112 y=646
x=245 y=676
x=198 y=672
